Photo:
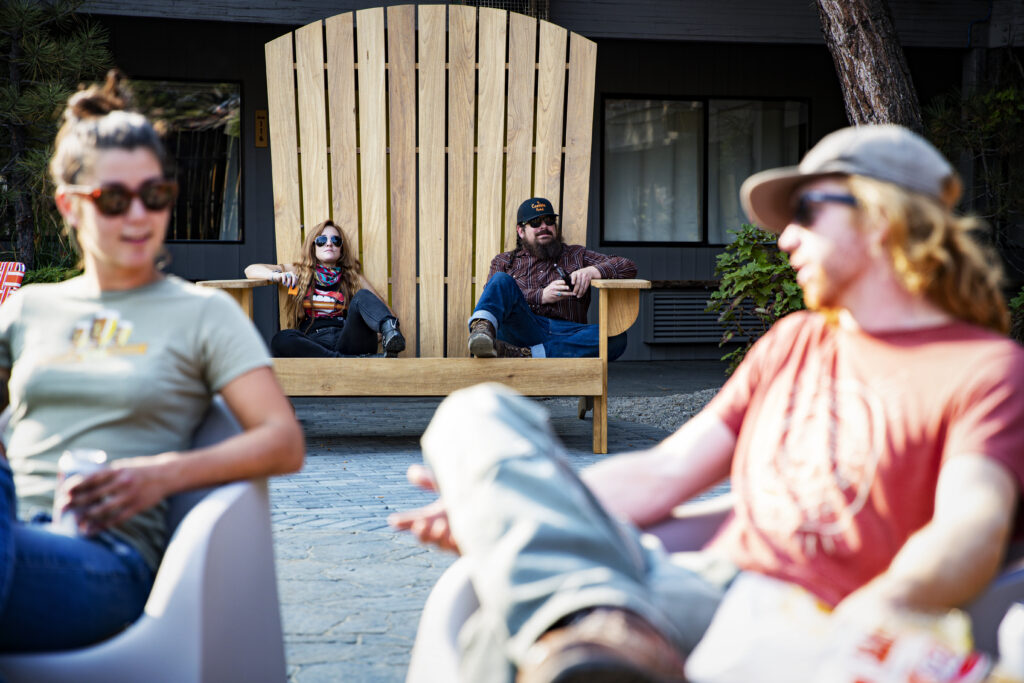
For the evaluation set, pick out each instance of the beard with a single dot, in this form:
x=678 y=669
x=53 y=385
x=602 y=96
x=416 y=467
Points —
x=545 y=252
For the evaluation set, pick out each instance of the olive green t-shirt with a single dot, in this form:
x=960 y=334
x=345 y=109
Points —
x=129 y=372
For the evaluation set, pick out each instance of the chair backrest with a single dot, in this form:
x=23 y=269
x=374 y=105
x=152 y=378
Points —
x=218 y=424
x=11 y=275
x=422 y=129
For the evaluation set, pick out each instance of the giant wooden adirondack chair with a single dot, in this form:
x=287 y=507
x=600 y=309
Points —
x=419 y=130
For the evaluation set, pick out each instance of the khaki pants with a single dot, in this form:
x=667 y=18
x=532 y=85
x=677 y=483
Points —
x=539 y=544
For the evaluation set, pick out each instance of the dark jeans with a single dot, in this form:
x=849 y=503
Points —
x=503 y=304
x=329 y=338
x=60 y=592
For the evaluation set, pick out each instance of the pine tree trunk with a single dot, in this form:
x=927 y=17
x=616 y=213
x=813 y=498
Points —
x=24 y=237
x=869 y=60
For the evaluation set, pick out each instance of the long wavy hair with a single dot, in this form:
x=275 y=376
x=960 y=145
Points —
x=349 y=264
x=934 y=253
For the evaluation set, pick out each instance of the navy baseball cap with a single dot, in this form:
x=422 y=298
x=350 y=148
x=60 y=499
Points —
x=533 y=207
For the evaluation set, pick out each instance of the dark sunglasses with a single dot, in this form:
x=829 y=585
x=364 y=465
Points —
x=114 y=199
x=806 y=211
x=321 y=240
x=546 y=220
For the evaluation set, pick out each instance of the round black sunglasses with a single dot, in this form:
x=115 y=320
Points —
x=321 y=240
x=114 y=199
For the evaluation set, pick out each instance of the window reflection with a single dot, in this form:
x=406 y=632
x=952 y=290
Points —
x=653 y=170
x=203 y=139
x=656 y=177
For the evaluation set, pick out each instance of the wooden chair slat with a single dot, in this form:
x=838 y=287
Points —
x=373 y=145
x=461 y=137
x=402 y=131
x=519 y=132
x=490 y=138
x=309 y=60
x=421 y=146
x=341 y=103
x=432 y=178
x=550 y=112
x=578 y=130
x=284 y=149
x=436 y=376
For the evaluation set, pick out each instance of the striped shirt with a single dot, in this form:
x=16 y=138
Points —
x=533 y=275
x=325 y=302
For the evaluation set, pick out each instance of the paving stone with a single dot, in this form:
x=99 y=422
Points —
x=351 y=589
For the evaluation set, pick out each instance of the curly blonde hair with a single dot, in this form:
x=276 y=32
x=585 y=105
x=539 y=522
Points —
x=349 y=264
x=933 y=252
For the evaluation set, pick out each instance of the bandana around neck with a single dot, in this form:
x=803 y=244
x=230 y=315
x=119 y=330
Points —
x=327 y=276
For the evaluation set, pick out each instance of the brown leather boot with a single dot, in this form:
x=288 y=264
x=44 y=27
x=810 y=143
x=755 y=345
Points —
x=481 y=339
x=506 y=350
x=603 y=645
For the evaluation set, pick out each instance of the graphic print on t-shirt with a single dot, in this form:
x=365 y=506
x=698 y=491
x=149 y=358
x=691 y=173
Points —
x=805 y=492
x=324 y=303
x=103 y=333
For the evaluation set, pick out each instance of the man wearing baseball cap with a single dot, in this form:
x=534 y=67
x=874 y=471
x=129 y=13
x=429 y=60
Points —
x=536 y=298
x=875 y=443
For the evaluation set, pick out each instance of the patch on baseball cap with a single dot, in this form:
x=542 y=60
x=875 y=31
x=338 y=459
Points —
x=889 y=153
x=533 y=207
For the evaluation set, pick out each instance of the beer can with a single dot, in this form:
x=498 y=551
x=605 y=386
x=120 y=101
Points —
x=83 y=461
x=1011 y=646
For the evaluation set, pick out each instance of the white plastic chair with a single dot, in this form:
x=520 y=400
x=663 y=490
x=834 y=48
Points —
x=213 y=613
x=435 y=652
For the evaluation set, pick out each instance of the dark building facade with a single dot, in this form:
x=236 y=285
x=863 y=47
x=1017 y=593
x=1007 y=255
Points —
x=692 y=96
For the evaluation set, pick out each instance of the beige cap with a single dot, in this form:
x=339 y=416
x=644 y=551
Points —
x=889 y=153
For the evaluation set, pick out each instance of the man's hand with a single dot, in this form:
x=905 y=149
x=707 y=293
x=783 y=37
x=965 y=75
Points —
x=430 y=522
x=111 y=496
x=581 y=279
x=555 y=290
x=877 y=602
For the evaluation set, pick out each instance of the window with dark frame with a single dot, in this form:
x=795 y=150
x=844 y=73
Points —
x=203 y=136
x=672 y=168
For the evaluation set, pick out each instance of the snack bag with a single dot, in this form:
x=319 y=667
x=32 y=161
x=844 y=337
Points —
x=909 y=648
x=768 y=630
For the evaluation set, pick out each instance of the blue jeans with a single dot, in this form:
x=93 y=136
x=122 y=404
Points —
x=60 y=592
x=504 y=306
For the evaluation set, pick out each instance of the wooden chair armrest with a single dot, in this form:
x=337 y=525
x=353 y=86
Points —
x=240 y=290
x=618 y=303
x=620 y=284
x=241 y=283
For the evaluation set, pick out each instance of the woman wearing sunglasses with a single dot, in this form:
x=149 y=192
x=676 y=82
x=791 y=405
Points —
x=126 y=360
x=334 y=311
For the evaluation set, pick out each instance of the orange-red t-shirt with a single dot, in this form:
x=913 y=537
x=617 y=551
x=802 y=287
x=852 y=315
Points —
x=841 y=434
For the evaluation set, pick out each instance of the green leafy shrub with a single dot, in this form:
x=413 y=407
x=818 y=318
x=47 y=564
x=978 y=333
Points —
x=50 y=274
x=1017 y=316
x=758 y=286
x=983 y=130
x=46 y=50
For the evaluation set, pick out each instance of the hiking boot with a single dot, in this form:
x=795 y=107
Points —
x=391 y=339
x=481 y=339
x=602 y=645
x=506 y=350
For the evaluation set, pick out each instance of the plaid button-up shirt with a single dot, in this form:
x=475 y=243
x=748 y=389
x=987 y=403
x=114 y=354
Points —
x=533 y=275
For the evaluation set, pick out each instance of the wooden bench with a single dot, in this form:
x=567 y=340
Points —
x=419 y=130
